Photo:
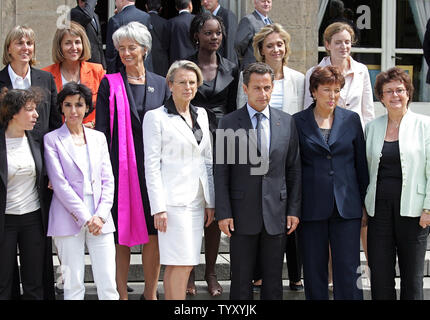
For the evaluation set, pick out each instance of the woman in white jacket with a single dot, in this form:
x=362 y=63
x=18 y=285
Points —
x=178 y=170
x=272 y=46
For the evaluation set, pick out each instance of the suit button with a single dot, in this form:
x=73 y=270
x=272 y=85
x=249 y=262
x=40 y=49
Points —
x=329 y=157
x=331 y=173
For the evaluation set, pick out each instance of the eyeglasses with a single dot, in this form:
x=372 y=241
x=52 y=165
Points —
x=391 y=92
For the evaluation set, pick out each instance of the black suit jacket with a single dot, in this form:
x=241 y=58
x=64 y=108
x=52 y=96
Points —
x=160 y=56
x=227 y=49
x=49 y=115
x=127 y=15
x=36 y=148
x=334 y=172
x=157 y=93
x=252 y=200
x=220 y=100
x=426 y=48
x=84 y=17
x=180 y=45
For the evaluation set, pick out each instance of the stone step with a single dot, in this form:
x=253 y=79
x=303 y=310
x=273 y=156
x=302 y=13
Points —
x=202 y=294
x=222 y=267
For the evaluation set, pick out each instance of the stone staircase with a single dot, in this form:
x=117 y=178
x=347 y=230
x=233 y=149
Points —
x=136 y=280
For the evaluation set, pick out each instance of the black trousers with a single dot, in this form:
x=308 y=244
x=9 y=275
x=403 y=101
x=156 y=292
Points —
x=343 y=236
x=292 y=255
x=388 y=235
x=243 y=255
x=26 y=233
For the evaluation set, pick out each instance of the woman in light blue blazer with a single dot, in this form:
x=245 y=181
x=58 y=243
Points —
x=398 y=196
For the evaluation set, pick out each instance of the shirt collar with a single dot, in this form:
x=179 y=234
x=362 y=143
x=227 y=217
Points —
x=171 y=109
x=252 y=111
x=13 y=76
x=153 y=11
x=184 y=10
x=261 y=15
x=127 y=5
x=215 y=12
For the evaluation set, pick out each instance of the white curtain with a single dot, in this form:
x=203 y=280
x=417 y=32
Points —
x=421 y=12
x=321 y=11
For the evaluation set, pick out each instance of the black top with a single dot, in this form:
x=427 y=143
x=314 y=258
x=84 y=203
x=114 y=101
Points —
x=139 y=95
x=389 y=182
x=171 y=108
x=325 y=133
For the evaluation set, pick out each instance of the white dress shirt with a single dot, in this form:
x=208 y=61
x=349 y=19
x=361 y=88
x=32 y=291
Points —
x=265 y=124
x=17 y=81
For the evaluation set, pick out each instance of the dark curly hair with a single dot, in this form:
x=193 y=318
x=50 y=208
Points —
x=73 y=88
x=393 y=74
x=325 y=75
x=199 y=21
x=11 y=102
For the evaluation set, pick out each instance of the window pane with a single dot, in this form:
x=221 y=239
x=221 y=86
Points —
x=364 y=15
x=406 y=33
x=413 y=64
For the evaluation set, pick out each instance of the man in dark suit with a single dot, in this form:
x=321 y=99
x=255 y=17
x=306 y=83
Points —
x=84 y=14
x=426 y=48
x=257 y=185
x=180 y=46
x=160 y=57
x=248 y=27
x=127 y=12
x=230 y=23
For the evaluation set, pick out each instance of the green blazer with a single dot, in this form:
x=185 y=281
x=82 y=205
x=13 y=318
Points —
x=414 y=145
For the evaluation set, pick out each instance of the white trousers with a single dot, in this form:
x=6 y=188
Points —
x=71 y=252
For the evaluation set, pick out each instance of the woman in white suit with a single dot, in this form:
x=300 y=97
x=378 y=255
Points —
x=78 y=166
x=178 y=169
x=272 y=46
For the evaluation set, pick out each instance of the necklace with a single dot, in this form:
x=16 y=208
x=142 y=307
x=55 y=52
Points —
x=136 y=78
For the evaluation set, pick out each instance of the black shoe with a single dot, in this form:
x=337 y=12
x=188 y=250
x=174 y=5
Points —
x=142 y=297
x=296 y=287
x=129 y=289
x=256 y=288
x=59 y=291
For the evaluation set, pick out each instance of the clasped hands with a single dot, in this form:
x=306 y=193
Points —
x=95 y=225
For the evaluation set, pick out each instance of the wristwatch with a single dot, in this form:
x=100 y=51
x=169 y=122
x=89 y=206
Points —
x=426 y=211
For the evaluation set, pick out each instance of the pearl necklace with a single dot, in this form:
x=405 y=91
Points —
x=136 y=78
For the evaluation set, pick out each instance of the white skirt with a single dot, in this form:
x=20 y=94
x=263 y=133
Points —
x=181 y=244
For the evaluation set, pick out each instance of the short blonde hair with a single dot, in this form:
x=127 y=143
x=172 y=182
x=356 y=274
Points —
x=74 y=29
x=264 y=32
x=17 y=33
x=135 y=31
x=187 y=65
x=334 y=28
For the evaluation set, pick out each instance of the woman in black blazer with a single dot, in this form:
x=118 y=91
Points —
x=19 y=73
x=334 y=180
x=218 y=96
x=23 y=200
x=144 y=91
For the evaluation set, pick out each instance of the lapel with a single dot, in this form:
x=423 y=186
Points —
x=5 y=79
x=3 y=157
x=67 y=141
x=152 y=92
x=275 y=129
x=37 y=156
x=35 y=78
x=337 y=128
x=224 y=77
x=310 y=127
x=180 y=124
x=288 y=92
x=85 y=74
x=92 y=145
x=245 y=123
